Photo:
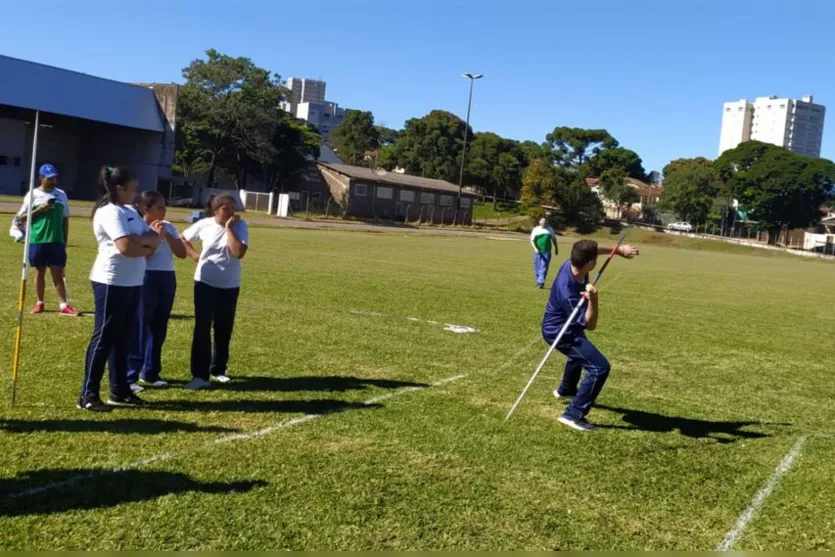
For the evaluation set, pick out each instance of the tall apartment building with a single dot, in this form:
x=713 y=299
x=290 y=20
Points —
x=794 y=124
x=307 y=102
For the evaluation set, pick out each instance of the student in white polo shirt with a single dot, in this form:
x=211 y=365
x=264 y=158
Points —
x=157 y=299
x=217 y=283
x=117 y=275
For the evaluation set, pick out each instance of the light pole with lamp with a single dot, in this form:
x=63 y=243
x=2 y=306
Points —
x=472 y=78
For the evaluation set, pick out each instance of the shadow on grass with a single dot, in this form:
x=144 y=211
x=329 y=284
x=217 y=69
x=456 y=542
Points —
x=122 y=426
x=29 y=493
x=319 y=406
x=719 y=431
x=331 y=383
x=181 y=317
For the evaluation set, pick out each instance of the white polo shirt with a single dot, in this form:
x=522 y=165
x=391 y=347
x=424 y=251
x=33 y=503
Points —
x=217 y=266
x=163 y=258
x=110 y=223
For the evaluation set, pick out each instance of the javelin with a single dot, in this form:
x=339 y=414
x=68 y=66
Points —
x=564 y=328
x=21 y=299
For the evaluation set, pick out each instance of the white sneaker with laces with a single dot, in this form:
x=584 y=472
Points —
x=158 y=383
x=198 y=384
x=136 y=388
x=221 y=378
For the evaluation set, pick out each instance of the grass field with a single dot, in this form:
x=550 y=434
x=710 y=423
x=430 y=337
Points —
x=368 y=430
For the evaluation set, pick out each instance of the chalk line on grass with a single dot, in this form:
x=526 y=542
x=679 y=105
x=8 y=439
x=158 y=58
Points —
x=735 y=533
x=458 y=329
x=287 y=424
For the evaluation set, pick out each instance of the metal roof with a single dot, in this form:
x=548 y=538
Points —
x=394 y=178
x=48 y=89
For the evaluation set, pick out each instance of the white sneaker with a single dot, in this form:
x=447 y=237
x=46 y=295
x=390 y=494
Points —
x=221 y=378
x=558 y=395
x=136 y=388
x=580 y=425
x=159 y=383
x=198 y=384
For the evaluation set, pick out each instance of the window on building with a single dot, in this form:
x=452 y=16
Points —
x=446 y=201
x=465 y=202
x=407 y=196
x=17 y=161
x=428 y=198
x=385 y=193
x=360 y=190
x=729 y=109
x=4 y=160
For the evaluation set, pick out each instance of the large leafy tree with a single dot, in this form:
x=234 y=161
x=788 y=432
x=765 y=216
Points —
x=690 y=188
x=495 y=165
x=544 y=183
x=355 y=137
x=388 y=136
x=532 y=151
x=293 y=145
x=431 y=146
x=780 y=188
x=575 y=146
x=615 y=187
x=618 y=157
x=228 y=106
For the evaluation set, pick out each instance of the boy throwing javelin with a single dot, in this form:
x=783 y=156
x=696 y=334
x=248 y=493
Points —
x=571 y=284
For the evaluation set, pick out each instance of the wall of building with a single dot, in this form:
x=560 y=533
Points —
x=13 y=173
x=736 y=124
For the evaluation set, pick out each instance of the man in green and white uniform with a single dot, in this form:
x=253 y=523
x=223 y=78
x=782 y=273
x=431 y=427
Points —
x=48 y=236
x=542 y=237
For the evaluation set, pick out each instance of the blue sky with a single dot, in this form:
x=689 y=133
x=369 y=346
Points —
x=653 y=72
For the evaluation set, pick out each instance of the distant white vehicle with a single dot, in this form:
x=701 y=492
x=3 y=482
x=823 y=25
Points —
x=681 y=227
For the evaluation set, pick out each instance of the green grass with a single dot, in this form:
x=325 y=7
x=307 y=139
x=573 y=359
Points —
x=721 y=361
x=503 y=209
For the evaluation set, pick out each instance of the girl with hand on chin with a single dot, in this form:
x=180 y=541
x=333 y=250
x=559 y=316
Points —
x=217 y=281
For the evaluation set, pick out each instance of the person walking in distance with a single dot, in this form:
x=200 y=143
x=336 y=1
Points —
x=48 y=237
x=125 y=241
x=157 y=297
x=542 y=236
x=217 y=281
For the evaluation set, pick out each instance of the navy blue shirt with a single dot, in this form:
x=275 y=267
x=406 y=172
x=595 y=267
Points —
x=565 y=295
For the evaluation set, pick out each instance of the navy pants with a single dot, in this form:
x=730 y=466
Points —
x=213 y=308
x=581 y=354
x=540 y=267
x=116 y=309
x=151 y=326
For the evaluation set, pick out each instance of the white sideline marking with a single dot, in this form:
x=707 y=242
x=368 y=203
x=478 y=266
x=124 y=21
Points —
x=229 y=438
x=458 y=329
x=747 y=515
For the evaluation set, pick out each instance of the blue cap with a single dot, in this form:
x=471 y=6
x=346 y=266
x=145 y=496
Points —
x=48 y=171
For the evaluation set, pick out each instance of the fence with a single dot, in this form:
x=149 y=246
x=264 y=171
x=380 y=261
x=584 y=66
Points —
x=258 y=201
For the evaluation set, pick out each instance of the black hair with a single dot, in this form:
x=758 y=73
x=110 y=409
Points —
x=148 y=199
x=583 y=252
x=110 y=178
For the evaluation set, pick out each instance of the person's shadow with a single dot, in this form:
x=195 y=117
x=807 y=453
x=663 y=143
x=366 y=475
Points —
x=329 y=383
x=120 y=426
x=718 y=431
x=29 y=493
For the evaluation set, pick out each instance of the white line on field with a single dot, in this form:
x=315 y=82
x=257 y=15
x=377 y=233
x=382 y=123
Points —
x=287 y=424
x=747 y=515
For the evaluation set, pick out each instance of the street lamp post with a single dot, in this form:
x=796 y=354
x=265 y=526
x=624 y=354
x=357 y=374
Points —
x=472 y=78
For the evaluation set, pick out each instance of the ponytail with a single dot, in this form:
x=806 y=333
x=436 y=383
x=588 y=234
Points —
x=110 y=178
x=210 y=205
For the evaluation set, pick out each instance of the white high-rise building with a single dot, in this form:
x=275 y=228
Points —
x=307 y=101
x=794 y=124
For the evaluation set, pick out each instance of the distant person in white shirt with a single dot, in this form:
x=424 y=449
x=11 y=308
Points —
x=157 y=298
x=117 y=275
x=541 y=239
x=217 y=283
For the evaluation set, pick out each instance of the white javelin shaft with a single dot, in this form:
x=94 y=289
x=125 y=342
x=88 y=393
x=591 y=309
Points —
x=547 y=355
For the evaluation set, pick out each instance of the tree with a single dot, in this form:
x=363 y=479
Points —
x=545 y=183
x=228 y=105
x=494 y=164
x=574 y=146
x=690 y=187
x=355 y=137
x=293 y=145
x=780 y=189
x=654 y=178
x=388 y=136
x=618 y=157
x=431 y=146
x=532 y=151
